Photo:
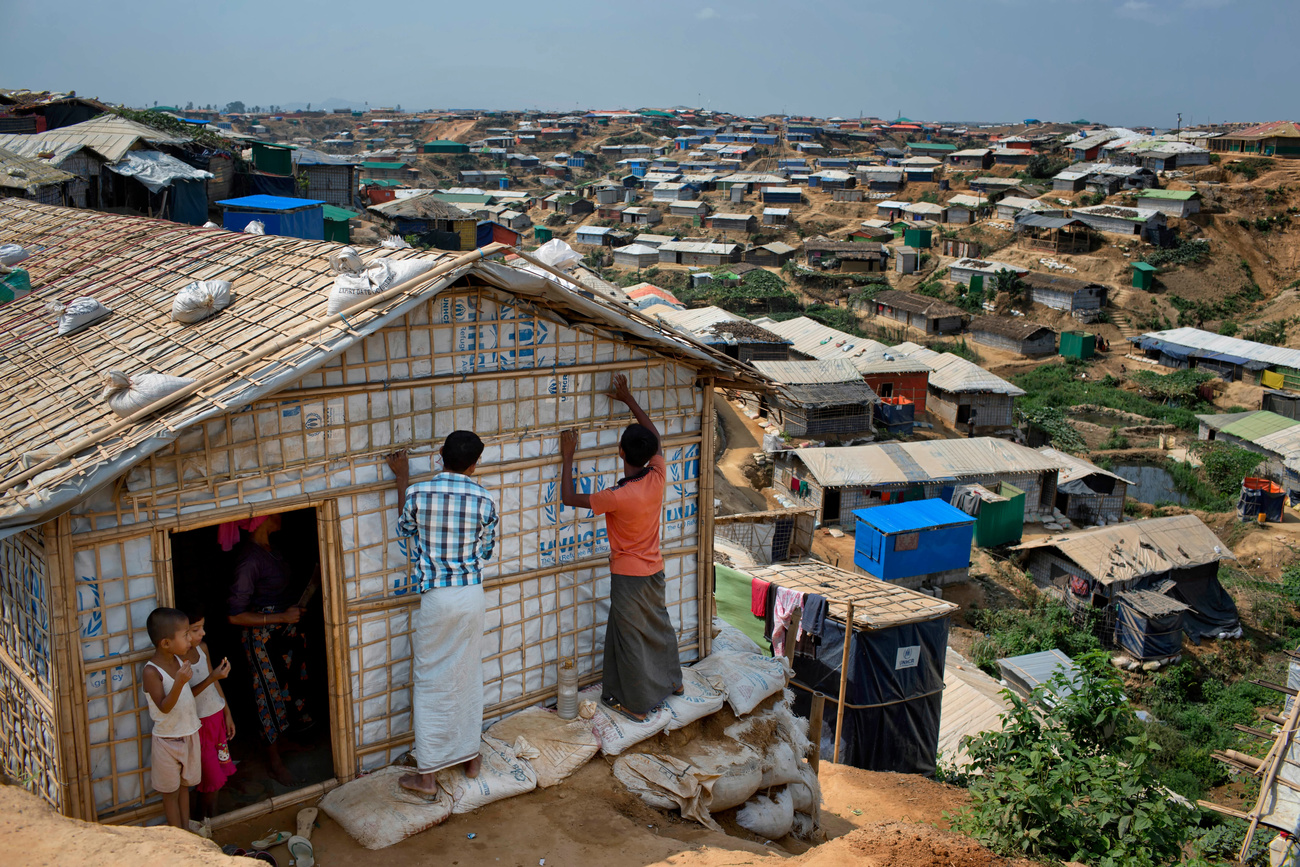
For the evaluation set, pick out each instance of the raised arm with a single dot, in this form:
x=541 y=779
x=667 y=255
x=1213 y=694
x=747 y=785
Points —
x=618 y=390
x=568 y=496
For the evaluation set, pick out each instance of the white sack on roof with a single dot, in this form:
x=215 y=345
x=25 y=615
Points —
x=199 y=300
x=77 y=314
x=558 y=254
x=157 y=170
x=379 y=276
x=255 y=227
x=393 y=242
x=127 y=395
x=12 y=254
x=346 y=261
x=210 y=225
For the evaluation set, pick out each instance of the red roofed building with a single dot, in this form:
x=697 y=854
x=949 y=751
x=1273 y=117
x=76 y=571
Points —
x=1279 y=138
x=647 y=294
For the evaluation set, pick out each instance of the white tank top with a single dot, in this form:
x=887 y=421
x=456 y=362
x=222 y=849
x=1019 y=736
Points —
x=184 y=717
x=209 y=701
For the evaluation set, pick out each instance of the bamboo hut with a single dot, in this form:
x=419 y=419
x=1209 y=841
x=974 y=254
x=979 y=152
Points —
x=291 y=412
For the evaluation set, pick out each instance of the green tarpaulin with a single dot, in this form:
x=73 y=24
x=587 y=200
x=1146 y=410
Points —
x=731 y=591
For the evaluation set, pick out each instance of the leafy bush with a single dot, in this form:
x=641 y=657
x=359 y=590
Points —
x=1075 y=784
x=1051 y=420
x=1183 y=252
x=1048 y=625
x=1116 y=440
x=1059 y=385
x=1250 y=167
x=1177 y=389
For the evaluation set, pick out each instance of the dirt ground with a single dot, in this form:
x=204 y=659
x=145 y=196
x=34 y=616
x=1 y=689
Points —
x=744 y=437
x=882 y=820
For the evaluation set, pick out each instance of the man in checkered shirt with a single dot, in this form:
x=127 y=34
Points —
x=451 y=523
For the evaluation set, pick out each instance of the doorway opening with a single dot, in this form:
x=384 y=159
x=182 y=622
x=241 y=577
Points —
x=269 y=568
x=830 y=506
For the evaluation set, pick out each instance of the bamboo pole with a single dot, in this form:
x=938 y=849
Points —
x=1274 y=759
x=844 y=681
x=815 y=729
x=704 y=505
x=334 y=605
x=243 y=361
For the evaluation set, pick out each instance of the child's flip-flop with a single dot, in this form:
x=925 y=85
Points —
x=275 y=838
x=300 y=849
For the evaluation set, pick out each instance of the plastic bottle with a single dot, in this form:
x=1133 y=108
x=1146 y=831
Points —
x=567 y=700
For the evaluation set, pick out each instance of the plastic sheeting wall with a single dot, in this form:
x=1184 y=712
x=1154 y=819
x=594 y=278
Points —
x=547 y=584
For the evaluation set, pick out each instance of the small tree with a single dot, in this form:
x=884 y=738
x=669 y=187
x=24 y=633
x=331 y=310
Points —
x=1009 y=281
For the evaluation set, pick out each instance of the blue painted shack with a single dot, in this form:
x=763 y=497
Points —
x=914 y=543
x=292 y=218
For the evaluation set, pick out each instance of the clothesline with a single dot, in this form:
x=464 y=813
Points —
x=776 y=606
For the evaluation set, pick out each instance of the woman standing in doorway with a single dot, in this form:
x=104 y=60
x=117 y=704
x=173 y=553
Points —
x=262 y=602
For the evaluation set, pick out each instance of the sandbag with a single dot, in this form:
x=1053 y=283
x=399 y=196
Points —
x=804 y=826
x=778 y=717
x=701 y=696
x=807 y=793
x=210 y=225
x=780 y=766
x=379 y=276
x=749 y=678
x=770 y=818
x=501 y=775
x=12 y=254
x=667 y=783
x=200 y=299
x=346 y=261
x=616 y=731
x=77 y=314
x=377 y=812
x=394 y=242
x=255 y=227
x=127 y=395
x=562 y=746
x=729 y=639
x=737 y=769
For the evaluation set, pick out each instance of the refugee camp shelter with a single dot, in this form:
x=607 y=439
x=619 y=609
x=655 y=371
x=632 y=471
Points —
x=820 y=399
x=839 y=480
x=1013 y=335
x=437 y=222
x=332 y=179
x=1149 y=625
x=730 y=334
x=889 y=376
x=765 y=537
x=290 y=218
x=291 y=411
x=1176 y=556
x=771 y=255
x=925 y=314
x=34 y=179
x=972 y=704
x=961 y=394
x=1087 y=494
x=921 y=543
x=1172 y=203
x=338 y=226
x=1232 y=358
x=893 y=686
x=1082 y=299
x=998 y=510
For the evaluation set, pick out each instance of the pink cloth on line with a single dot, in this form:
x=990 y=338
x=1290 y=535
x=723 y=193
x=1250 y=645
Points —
x=783 y=607
x=228 y=533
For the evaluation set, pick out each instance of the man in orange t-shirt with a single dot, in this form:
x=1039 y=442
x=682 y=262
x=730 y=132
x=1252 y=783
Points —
x=641 y=663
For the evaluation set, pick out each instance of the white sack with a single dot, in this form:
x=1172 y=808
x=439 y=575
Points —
x=667 y=783
x=769 y=818
x=790 y=727
x=210 y=225
x=737 y=770
x=12 y=254
x=807 y=793
x=255 y=227
x=562 y=746
x=393 y=242
x=701 y=696
x=616 y=731
x=377 y=812
x=729 y=639
x=200 y=299
x=379 y=276
x=557 y=254
x=780 y=766
x=749 y=678
x=77 y=314
x=130 y=394
x=501 y=775
x=804 y=826
x=346 y=261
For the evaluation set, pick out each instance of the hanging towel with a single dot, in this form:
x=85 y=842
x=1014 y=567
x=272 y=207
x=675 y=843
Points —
x=814 y=616
x=803 y=489
x=786 y=602
x=769 y=612
x=758 y=598
x=794 y=485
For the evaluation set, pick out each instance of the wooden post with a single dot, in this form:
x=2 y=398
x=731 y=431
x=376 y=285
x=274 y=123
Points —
x=844 y=681
x=795 y=616
x=704 y=504
x=815 y=729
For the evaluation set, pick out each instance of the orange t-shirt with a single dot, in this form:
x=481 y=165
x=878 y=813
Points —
x=633 y=512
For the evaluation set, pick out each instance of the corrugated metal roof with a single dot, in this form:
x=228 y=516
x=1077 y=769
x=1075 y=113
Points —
x=920 y=462
x=1122 y=552
x=810 y=337
x=966 y=200
x=1031 y=670
x=986 y=266
x=108 y=135
x=1259 y=424
x=916 y=515
x=33 y=147
x=697 y=247
x=637 y=250
x=955 y=374
x=820 y=371
x=1218 y=421
x=972 y=704
x=1205 y=341
x=1076 y=468
x=1170 y=195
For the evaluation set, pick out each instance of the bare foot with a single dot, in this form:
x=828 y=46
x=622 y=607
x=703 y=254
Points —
x=282 y=774
x=420 y=784
x=472 y=766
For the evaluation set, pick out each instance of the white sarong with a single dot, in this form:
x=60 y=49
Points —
x=447 y=696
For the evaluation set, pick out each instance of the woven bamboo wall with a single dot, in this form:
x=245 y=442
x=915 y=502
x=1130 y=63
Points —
x=481 y=364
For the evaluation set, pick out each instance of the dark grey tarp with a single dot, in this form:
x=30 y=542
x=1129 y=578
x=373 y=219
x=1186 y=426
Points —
x=894 y=696
x=1147 y=634
x=1212 y=609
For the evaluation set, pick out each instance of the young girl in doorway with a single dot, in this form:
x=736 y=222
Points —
x=217 y=726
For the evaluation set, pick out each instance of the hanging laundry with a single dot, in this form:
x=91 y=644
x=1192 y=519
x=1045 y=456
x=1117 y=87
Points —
x=803 y=489
x=758 y=598
x=786 y=602
x=794 y=485
x=769 y=616
x=814 y=616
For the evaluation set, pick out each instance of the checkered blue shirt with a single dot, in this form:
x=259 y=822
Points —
x=452 y=524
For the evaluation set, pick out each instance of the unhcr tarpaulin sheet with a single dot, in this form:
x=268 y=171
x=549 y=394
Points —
x=156 y=170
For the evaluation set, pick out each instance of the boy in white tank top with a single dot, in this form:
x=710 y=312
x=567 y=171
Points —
x=176 y=762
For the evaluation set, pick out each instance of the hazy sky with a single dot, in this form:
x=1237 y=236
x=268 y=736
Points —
x=1119 y=61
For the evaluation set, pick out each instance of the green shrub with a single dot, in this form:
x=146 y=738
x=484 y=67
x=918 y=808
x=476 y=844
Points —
x=1048 y=625
x=1059 y=385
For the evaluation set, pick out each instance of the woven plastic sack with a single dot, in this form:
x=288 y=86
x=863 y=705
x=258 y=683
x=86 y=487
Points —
x=77 y=314
x=393 y=242
x=701 y=696
x=127 y=395
x=210 y=225
x=12 y=254
x=770 y=818
x=618 y=732
x=379 y=276
x=346 y=261
x=377 y=812
x=15 y=283
x=255 y=227
x=729 y=639
x=749 y=678
x=501 y=774
x=199 y=300
x=562 y=746
x=668 y=783
x=737 y=769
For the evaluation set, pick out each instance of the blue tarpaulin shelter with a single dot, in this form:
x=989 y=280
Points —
x=292 y=218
